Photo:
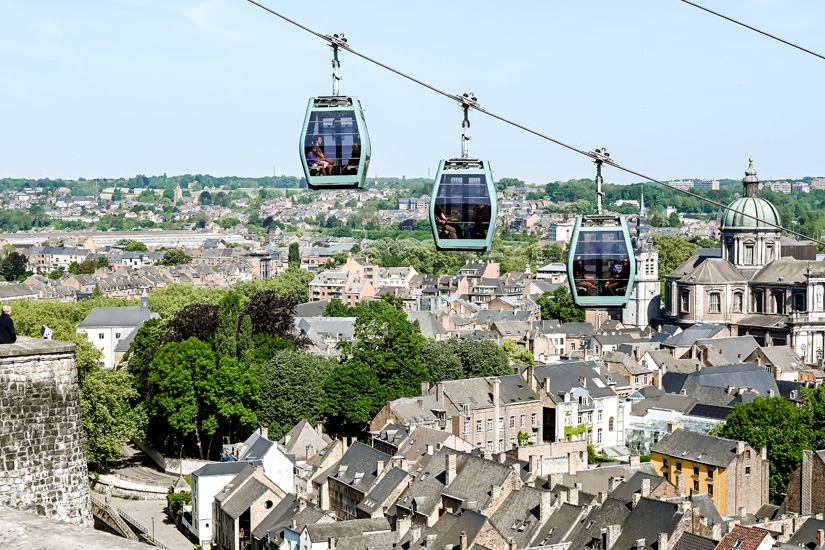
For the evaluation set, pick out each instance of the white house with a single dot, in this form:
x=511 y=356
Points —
x=106 y=326
x=207 y=482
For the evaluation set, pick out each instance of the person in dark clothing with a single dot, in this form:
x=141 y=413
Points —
x=7 y=334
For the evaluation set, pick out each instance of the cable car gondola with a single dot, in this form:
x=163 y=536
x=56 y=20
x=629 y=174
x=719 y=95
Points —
x=335 y=145
x=463 y=208
x=601 y=266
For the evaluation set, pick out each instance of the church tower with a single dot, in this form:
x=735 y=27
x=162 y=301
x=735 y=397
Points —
x=750 y=244
x=645 y=298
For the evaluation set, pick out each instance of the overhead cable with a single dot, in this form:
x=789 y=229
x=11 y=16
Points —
x=478 y=108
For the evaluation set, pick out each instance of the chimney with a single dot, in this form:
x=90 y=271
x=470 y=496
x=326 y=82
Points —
x=449 y=473
x=820 y=537
x=573 y=494
x=731 y=389
x=564 y=494
x=646 y=487
x=636 y=497
x=430 y=448
x=310 y=451
x=611 y=535
x=379 y=468
x=640 y=544
x=582 y=381
x=663 y=541
x=319 y=427
x=572 y=464
x=439 y=393
x=554 y=479
x=332 y=542
x=512 y=545
x=602 y=496
x=495 y=491
x=740 y=447
x=635 y=461
x=613 y=482
x=673 y=426
x=323 y=497
x=547 y=385
x=546 y=506
x=534 y=464
x=462 y=541
x=425 y=387
x=302 y=503
x=763 y=452
x=265 y=432
x=743 y=511
x=501 y=457
x=531 y=378
x=144 y=301
x=402 y=526
x=293 y=524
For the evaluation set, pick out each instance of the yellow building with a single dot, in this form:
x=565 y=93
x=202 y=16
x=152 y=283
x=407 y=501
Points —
x=731 y=473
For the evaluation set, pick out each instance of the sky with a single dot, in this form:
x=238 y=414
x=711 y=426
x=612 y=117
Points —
x=113 y=88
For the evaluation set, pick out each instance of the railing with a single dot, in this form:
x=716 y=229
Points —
x=105 y=512
x=144 y=533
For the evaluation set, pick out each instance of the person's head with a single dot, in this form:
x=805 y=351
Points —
x=7 y=310
x=356 y=147
x=315 y=149
x=319 y=141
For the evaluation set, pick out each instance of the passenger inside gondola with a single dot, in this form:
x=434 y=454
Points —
x=445 y=229
x=584 y=286
x=351 y=167
x=316 y=164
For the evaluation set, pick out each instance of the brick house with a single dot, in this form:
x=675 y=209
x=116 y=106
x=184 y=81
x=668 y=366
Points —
x=806 y=489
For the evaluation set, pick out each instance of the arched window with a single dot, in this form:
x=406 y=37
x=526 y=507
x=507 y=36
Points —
x=737 y=302
x=610 y=424
x=779 y=301
x=685 y=301
x=715 y=302
x=757 y=301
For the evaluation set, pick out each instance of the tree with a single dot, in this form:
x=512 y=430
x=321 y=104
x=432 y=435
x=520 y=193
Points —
x=336 y=308
x=170 y=299
x=673 y=252
x=14 y=265
x=441 y=362
x=141 y=352
x=199 y=321
x=292 y=388
x=272 y=314
x=674 y=220
x=87 y=267
x=294 y=260
x=558 y=304
x=517 y=355
x=292 y=284
x=96 y=292
x=197 y=397
x=175 y=257
x=109 y=418
x=135 y=246
x=103 y=261
x=74 y=268
x=777 y=424
x=56 y=274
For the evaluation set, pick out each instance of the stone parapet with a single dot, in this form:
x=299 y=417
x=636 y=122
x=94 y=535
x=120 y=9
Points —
x=42 y=447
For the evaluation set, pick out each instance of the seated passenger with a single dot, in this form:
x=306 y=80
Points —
x=319 y=144
x=444 y=229
x=321 y=167
x=584 y=286
x=351 y=167
x=481 y=221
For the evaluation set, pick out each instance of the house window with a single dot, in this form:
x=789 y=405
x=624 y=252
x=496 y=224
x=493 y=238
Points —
x=710 y=473
x=636 y=379
x=696 y=486
x=747 y=455
x=678 y=466
x=664 y=462
x=799 y=302
x=779 y=302
x=769 y=253
x=715 y=302
x=599 y=416
x=523 y=420
x=610 y=424
x=500 y=422
x=599 y=435
x=466 y=426
x=512 y=421
x=478 y=426
x=749 y=254
x=100 y=336
x=501 y=445
x=534 y=420
x=757 y=301
x=117 y=335
x=696 y=472
x=685 y=302
x=737 y=302
x=490 y=425
x=490 y=445
x=710 y=489
x=747 y=470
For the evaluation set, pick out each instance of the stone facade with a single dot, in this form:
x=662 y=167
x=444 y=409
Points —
x=43 y=465
x=806 y=489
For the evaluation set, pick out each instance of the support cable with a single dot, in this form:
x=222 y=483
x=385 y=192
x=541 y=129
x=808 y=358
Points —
x=595 y=156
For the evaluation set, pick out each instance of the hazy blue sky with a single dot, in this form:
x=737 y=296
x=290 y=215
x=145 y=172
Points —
x=109 y=88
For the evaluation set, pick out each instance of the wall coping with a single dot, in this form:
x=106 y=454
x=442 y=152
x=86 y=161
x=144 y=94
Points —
x=35 y=346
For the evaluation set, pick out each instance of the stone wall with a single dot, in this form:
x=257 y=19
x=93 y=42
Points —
x=42 y=448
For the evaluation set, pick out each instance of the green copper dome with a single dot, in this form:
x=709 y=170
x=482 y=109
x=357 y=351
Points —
x=738 y=213
x=755 y=206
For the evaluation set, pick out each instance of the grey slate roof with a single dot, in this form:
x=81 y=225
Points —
x=689 y=541
x=357 y=468
x=257 y=450
x=242 y=499
x=107 y=317
x=697 y=447
x=741 y=375
x=735 y=349
x=649 y=518
x=321 y=532
x=690 y=335
x=806 y=534
x=564 y=521
x=565 y=376
x=446 y=531
x=517 y=518
x=377 y=497
x=598 y=479
x=221 y=468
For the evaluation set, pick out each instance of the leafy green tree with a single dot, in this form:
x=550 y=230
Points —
x=228 y=223
x=141 y=352
x=96 y=292
x=292 y=388
x=673 y=252
x=674 y=221
x=441 y=362
x=516 y=354
x=779 y=425
x=168 y=300
x=13 y=266
x=103 y=261
x=135 y=246
x=109 y=418
x=336 y=308
x=558 y=304
x=174 y=257
x=199 y=321
x=87 y=267
x=294 y=258
x=74 y=268
x=56 y=274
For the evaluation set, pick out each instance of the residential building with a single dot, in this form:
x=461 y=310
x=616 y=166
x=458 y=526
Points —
x=105 y=327
x=732 y=473
x=708 y=185
x=207 y=482
x=806 y=488
x=747 y=538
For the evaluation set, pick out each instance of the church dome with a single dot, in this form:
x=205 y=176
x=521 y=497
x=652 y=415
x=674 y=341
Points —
x=738 y=213
x=755 y=206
